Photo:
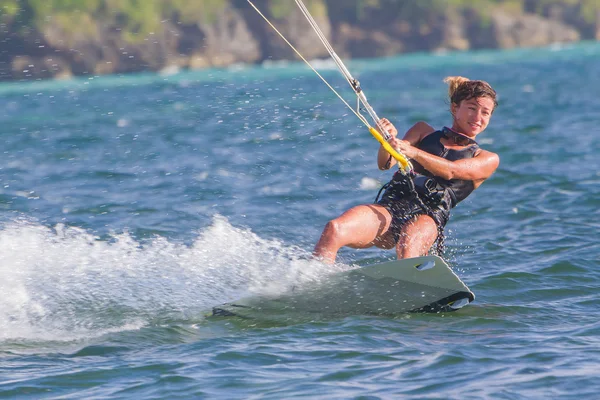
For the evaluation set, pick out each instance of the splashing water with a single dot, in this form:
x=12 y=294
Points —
x=64 y=283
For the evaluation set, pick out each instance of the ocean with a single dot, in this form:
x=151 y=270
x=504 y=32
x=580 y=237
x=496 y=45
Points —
x=131 y=205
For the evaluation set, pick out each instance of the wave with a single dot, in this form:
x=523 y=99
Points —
x=63 y=283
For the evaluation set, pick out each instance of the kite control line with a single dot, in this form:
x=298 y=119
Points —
x=379 y=134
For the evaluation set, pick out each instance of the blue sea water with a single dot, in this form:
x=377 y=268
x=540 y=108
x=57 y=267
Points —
x=131 y=205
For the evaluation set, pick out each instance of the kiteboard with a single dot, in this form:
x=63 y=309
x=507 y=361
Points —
x=420 y=284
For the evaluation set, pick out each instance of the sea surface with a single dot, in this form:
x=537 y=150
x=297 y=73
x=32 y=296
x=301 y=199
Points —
x=131 y=205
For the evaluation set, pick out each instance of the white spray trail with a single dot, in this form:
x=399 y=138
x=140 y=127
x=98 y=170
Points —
x=63 y=283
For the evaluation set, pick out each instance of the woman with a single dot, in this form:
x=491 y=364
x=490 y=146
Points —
x=448 y=166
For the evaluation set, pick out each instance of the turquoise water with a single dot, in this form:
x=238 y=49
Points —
x=131 y=205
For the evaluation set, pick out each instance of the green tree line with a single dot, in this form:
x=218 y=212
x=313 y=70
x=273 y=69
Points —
x=139 y=17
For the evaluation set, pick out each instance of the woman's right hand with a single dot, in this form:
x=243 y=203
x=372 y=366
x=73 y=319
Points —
x=384 y=159
x=392 y=131
x=388 y=127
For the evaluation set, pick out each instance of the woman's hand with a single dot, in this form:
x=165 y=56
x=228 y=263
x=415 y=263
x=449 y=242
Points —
x=391 y=130
x=388 y=127
x=404 y=147
x=384 y=159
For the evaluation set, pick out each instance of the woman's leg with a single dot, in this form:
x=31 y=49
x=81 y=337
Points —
x=416 y=237
x=360 y=227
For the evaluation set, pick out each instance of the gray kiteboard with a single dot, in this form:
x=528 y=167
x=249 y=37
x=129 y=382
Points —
x=421 y=284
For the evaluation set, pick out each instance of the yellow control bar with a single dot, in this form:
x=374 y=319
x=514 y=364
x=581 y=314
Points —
x=403 y=163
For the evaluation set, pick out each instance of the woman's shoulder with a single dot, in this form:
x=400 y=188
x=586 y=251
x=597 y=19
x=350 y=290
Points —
x=424 y=127
x=489 y=156
x=419 y=131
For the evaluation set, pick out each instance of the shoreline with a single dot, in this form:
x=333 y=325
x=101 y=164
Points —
x=62 y=44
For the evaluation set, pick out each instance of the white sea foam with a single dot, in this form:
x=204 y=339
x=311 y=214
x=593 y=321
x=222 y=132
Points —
x=367 y=183
x=324 y=64
x=63 y=283
x=270 y=64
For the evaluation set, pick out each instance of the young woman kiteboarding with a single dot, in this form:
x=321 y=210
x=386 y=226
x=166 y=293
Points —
x=448 y=165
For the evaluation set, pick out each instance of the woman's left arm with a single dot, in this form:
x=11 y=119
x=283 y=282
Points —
x=476 y=169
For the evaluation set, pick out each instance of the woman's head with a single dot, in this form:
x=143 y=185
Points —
x=471 y=103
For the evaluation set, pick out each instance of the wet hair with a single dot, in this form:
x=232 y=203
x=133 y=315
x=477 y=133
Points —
x=460 y=88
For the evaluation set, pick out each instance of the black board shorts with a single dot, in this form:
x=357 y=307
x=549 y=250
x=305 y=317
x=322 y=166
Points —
x=406 y=206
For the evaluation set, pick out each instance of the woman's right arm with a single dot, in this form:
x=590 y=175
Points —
x=414 y=135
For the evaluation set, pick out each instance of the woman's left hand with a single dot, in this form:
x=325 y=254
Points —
x=404 y=147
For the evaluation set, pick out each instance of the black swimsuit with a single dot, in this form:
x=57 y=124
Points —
x=423 y=193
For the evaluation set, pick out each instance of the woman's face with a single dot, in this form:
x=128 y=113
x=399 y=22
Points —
x=472 y=116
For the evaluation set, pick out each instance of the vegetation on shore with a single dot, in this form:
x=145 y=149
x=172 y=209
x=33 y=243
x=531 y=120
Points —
x=62 y=38
x=141 y=17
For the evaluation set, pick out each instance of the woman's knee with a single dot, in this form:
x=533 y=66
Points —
x=333 y=229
